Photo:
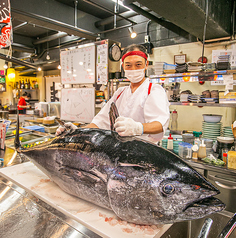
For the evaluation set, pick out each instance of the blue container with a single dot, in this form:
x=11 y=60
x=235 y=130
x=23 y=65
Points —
x=35 y=128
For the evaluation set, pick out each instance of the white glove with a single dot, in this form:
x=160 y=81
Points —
x=128 y=127
x=61 y=129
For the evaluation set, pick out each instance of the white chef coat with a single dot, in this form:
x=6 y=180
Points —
x=139 y=106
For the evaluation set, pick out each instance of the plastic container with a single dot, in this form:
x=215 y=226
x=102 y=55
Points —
x=232 y=159
x=174 y=122
x=170 y=143
x=202 y=150
x=195 y=152
x=185 y=150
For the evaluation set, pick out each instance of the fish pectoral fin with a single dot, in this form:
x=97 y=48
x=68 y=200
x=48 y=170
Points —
x=79 y=175
x=130 y=165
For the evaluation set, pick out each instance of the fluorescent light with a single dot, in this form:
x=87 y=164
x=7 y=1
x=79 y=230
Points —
x=121 y=4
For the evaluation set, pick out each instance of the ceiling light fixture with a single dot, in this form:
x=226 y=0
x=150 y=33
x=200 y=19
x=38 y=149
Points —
x=5 y=66
x=59 y=66
x=48 y=56
x=133 y=34
x=39 y=68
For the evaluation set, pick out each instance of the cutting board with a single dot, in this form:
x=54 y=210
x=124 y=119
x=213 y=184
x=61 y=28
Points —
x=101 y=221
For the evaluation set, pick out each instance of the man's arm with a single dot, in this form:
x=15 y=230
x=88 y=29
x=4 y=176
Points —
x=154 y=127
x=91 y=125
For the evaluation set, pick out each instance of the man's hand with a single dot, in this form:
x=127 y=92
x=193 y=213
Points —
x=128 y=127
x=61 y=129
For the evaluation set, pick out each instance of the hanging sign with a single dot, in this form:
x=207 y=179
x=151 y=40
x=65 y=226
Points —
x=5 y=24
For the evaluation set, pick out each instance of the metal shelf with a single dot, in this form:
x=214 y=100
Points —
x=191 y=76
x=203 y=104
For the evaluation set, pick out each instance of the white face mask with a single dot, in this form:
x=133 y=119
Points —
x=135 y=76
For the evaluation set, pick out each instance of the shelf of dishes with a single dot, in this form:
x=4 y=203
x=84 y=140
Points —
x=191 y=76
x=203 y=104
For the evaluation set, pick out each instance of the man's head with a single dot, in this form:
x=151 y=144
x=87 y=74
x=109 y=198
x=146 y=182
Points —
x=134 y=57
x=25 y=95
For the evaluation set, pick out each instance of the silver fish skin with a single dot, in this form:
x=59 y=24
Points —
x=141 y=182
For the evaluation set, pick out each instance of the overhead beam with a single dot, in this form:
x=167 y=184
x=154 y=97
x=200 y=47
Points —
x=158 y=20
x=20 y=26
x=50 y=38
x=16 y=61
x=54 y=24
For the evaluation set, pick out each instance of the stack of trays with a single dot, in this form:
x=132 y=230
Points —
x=181 y=68
x=211 y=130
x=223 y=62
x=227 y=132
x=164 y=143
x=195 y=66
x=210 y=67
x=175 y=145
x=210 y=100
x=159 y=67
x=194 y=98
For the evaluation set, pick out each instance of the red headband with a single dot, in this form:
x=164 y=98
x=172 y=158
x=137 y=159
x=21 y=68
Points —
x=139 y=53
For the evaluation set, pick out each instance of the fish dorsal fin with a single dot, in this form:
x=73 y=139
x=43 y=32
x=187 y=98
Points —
x=113 y=114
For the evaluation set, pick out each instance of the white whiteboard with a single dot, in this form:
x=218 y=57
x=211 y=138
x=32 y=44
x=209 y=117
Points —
x=78 y=65
x=78 y=104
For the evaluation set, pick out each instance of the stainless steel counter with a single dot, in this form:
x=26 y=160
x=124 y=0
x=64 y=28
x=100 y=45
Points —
x=23 y=215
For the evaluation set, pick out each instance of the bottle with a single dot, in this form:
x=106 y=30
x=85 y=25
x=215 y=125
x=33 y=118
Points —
x=22 y=84
x=195 y=149
x=30 y=85
x=224 y=158
x=170 y=142
x=36 y=85
x=26 y=84
x=202 y=150
x=197 y=138
x=174 y=123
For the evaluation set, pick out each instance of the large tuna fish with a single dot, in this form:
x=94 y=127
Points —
x=141 y=182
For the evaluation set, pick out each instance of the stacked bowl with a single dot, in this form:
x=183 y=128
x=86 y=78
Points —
x=227 y=131
x=211 y=126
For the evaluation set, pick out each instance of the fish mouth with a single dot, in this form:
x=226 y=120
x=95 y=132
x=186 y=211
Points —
x=206 y=205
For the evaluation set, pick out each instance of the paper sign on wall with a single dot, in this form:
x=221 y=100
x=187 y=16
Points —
x=78 y=104
x=78 y=65
x=228 y=81
x=102 y=64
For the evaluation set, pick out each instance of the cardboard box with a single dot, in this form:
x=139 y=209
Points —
x=228 y=98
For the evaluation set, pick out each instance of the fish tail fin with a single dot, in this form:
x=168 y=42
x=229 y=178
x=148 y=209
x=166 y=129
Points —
x=17 y=143
x=113 y=114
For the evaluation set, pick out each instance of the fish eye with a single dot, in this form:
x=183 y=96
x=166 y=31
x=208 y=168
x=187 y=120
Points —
x=168 y=188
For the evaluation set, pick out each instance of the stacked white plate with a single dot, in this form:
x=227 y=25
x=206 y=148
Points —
x=211 y=130
x=227 y=132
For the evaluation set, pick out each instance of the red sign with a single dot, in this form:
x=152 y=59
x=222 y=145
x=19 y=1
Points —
x=5 y=24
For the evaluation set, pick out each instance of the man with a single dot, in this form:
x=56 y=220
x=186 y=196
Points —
x=143 y=107
x=22 y=104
